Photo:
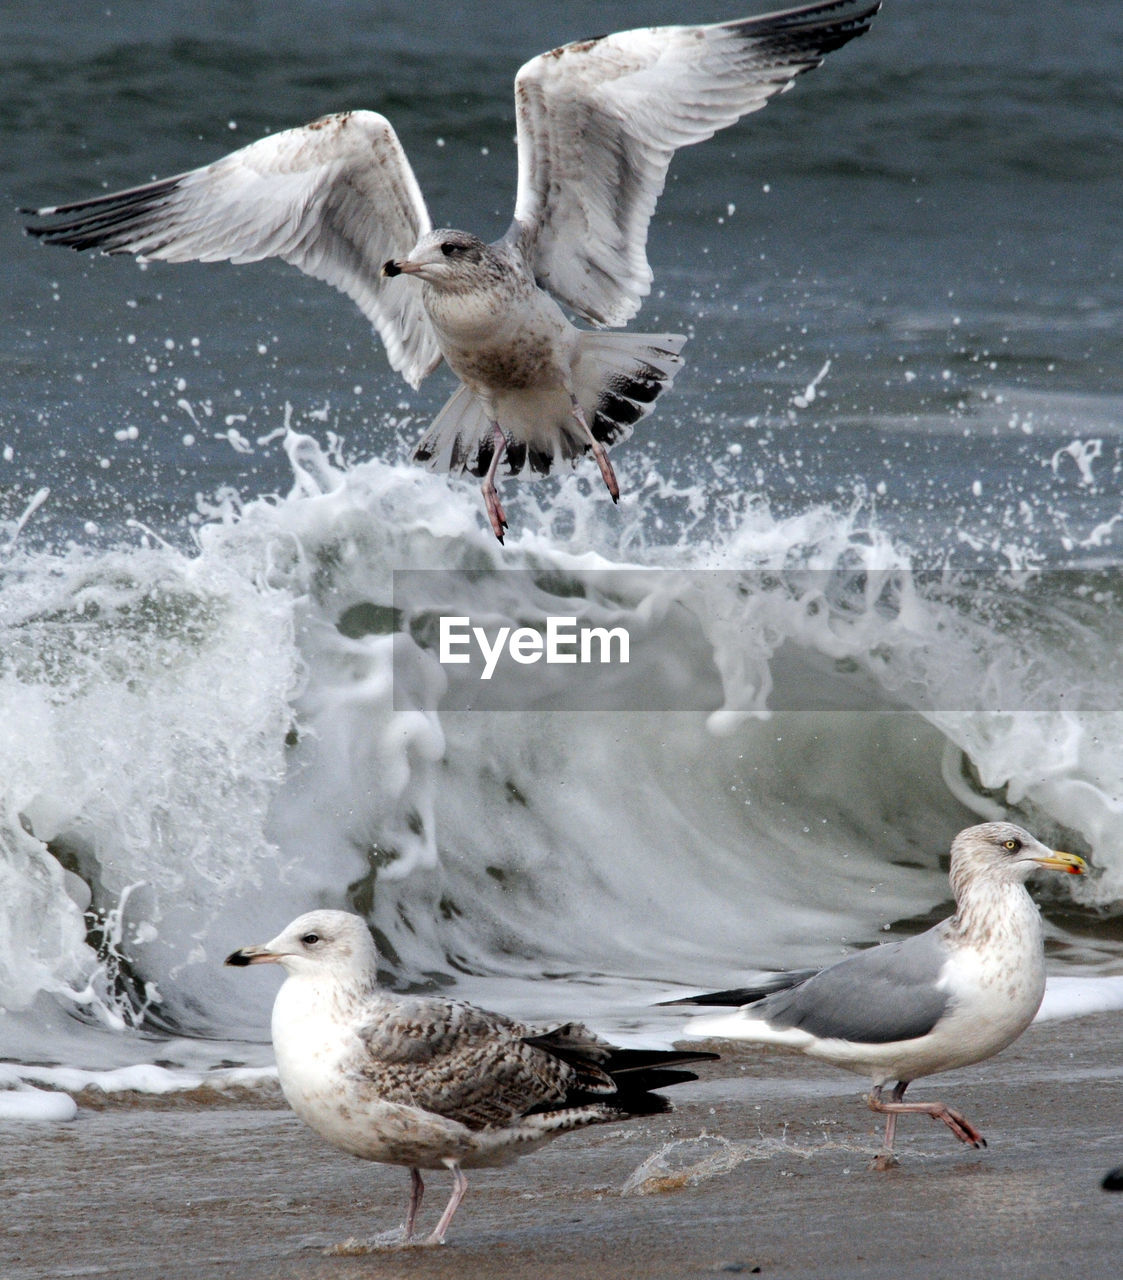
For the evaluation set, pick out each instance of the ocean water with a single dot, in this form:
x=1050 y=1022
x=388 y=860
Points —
x=870 y=540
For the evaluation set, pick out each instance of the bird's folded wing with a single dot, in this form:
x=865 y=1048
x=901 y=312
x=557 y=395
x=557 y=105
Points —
x=463 y=1063
x=335 y=198
x=889 y=993
x=598 y=122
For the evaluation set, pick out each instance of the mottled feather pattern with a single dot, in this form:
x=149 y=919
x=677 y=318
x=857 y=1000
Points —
x=459 y=1061
x=428 y=1082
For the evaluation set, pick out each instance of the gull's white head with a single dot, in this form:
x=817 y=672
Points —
x=317 y=942
x=1000 y=852
x=447 y=259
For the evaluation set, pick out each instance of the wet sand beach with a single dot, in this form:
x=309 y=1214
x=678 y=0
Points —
x=200 y=1186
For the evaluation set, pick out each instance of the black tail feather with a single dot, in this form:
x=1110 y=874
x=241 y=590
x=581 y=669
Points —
x=624 y=400
x=620 y=1078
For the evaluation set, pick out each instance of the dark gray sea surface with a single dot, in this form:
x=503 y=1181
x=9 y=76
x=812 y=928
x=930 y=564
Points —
x=934 y=212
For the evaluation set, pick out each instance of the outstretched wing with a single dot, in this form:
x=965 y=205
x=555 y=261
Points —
x=599 y=120
x=335 y=198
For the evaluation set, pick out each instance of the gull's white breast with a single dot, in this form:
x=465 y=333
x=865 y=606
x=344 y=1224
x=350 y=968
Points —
x=316 y=1045
x=499 y=339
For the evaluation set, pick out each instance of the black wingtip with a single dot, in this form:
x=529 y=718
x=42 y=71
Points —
x=810 y=32
x=737 y=996
x=626 y=1061
x=112 y=222
x=1113 y=1180
x=31 y=229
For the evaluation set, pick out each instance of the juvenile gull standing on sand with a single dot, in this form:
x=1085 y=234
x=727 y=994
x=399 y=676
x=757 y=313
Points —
x=951 y=996
x=598 y=122
x=432 y=1083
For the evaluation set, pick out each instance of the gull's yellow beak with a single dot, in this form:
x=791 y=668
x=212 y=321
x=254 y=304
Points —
x=1073 y=863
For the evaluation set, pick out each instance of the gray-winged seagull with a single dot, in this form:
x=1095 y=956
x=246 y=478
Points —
x=597 y=123
x=432 y=1083
x=951 y=996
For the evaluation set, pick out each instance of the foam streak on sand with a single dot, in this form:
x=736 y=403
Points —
x=26 y=1103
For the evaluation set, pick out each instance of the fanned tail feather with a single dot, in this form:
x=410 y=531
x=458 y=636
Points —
x=619 y=376
x=453 y=440
x=616 y=377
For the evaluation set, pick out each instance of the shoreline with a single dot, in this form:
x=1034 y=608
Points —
x=203 y=1185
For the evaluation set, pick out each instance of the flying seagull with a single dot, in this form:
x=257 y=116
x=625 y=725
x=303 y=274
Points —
x=597 y=123
x=951 y=996
x=432 y=1083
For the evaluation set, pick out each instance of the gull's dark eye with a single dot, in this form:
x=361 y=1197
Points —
x=450 y=250
x=1012 y=845
x=310 y=939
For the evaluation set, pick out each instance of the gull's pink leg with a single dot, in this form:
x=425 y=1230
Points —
x=416 y=1191
x=885 y=1159
x=495 y=512
x=459 y=1187
x=599 y=451
x=963 y=1129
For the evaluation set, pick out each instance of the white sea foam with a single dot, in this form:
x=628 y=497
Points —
x=1072 y=996
x=26 y=1103
x=195 y=748
x=60 y=1082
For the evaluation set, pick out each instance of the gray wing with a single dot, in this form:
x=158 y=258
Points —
x=335 y=198
x=598 y=122
x=460 y=1062
x=887 y=993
